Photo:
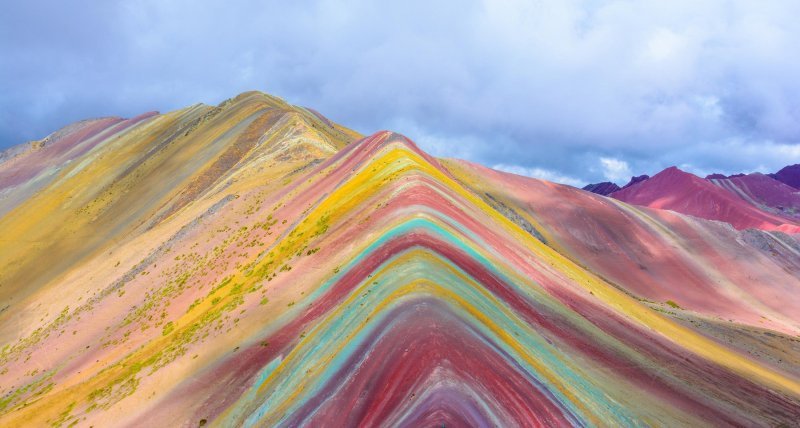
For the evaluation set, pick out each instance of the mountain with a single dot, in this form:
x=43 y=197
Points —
x=255 y=264
x=789 y=175
x=764 y=192
x=604 y=188
x=636 y=179
x=676 y=190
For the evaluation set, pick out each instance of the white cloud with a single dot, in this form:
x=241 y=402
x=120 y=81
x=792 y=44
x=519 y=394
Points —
x=546 y=82
x=615 y=170
x=664 y=45
x=436 y=144
x=541 y=173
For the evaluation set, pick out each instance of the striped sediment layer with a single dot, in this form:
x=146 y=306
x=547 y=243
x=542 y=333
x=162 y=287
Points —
x=254 y=264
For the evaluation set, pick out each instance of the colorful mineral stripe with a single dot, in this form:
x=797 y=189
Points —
x=254 y=264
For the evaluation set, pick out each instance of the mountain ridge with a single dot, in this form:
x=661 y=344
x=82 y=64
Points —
x=683 y=192
x=258 y=268
x=769 y=203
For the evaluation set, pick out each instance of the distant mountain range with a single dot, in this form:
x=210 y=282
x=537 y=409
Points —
x=255 y=264
x=767 y=202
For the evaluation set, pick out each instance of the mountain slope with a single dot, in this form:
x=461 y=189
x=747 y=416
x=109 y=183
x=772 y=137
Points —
x=648 y=251
x=765 y=193
x=679 y=191
x=270 y=270
x=134 y=179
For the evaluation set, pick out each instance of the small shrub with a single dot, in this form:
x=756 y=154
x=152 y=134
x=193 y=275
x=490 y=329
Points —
x=168 y=328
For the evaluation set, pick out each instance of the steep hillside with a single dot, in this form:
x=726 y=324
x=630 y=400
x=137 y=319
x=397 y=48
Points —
x=254 y=264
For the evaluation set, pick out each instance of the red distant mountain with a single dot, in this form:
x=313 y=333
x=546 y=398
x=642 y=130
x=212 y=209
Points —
x=680 y=191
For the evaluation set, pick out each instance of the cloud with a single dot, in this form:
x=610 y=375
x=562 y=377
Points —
x=615 y=170
x=548 y=84
x=541 y=173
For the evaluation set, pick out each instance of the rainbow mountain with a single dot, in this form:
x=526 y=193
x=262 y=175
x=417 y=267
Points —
x=254 y=264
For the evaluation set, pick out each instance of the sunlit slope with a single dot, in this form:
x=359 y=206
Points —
x=137 y=176
x=739 y=287
x=317 y=282
x=656 y=255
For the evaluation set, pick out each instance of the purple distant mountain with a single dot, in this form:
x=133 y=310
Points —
x=636 y=179
x=789 y=175
x=605 y=188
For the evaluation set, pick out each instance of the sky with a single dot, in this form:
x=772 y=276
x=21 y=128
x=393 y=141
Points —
x=569 y=91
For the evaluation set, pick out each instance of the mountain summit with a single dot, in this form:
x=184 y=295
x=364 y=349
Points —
x=255 y=264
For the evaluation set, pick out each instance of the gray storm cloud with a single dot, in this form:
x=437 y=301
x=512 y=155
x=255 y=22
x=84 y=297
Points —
x=575 y=91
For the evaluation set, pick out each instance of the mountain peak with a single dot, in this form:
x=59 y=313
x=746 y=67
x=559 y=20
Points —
x=789 y=175
x=674 y=170
x=635 y=180
x=604 y=188
x=259 y=97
